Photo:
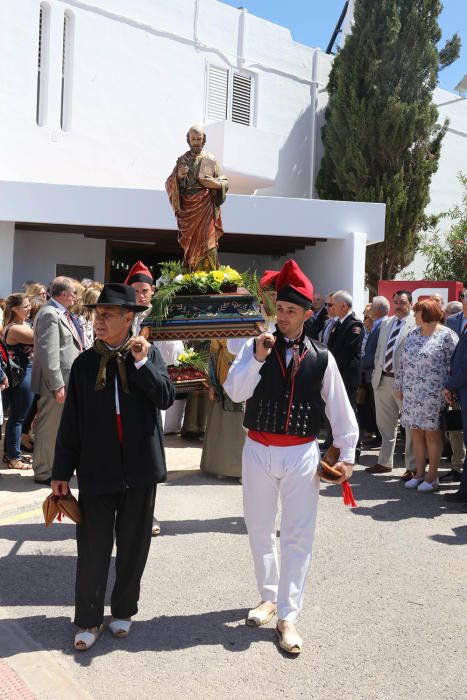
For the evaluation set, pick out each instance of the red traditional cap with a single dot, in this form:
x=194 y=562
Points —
x=139 y=273
x=293 y=286
x=269 y=279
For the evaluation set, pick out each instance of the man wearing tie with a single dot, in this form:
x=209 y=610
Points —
x=56 y=345
x=388 y=355
x=316 y=323
x=326 y=331
x=456 y=385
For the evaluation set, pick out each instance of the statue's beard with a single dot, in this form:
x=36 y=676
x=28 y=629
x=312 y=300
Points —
x=196 y=150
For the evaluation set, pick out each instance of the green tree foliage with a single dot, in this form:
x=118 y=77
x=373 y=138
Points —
x=382 y=141
x=450 y=53
x=447 y=254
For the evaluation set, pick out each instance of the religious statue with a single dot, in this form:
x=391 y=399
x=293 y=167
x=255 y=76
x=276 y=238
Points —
x=196 y=190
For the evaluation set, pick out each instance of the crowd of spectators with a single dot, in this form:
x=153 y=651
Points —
x=402 y=373
x=397 y=370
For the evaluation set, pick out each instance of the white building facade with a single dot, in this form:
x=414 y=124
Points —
x=97 y=96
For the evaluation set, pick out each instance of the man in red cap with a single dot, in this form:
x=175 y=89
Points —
x=142 y=281
x=283 y=387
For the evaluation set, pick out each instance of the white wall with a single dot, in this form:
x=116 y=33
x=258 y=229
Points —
x=37 y=253
x=138 y=81
x=7 y=240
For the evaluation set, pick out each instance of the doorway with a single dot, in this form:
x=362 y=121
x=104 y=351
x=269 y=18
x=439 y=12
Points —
x=121 y=256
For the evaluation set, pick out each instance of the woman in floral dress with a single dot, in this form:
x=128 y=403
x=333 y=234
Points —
x=419 y=384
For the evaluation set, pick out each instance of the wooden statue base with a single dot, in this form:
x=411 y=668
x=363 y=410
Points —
x=207 y=317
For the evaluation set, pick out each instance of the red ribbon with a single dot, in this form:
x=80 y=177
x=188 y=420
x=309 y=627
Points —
x=347 y=494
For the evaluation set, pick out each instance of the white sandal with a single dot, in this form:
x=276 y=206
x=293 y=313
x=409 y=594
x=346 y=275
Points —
x=87 y=638
x=120 y=628
x=291 y=642
x=259 y=616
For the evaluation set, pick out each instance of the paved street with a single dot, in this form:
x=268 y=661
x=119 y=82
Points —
x=385 y=610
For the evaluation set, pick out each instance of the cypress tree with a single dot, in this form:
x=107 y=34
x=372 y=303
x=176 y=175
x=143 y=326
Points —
x=382 y=141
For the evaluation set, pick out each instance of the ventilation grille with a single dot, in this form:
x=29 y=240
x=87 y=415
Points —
x=241 y=99
x=218 y=93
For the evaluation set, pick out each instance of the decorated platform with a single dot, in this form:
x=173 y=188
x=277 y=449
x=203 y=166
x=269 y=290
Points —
x=208 y=316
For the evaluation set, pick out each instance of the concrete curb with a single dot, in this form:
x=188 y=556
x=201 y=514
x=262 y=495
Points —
x=37 y=668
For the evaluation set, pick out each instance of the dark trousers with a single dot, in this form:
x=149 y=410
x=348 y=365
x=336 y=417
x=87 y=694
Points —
x=463 y=483
x=366 y=411
x=129 y=514
x=31 y=415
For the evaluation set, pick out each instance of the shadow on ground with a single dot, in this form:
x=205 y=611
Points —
x=398 y=503
x=224 y=628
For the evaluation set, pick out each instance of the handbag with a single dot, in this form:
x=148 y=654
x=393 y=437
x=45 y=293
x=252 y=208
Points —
x=450 y=420
x=15 y=373
x=12 y=369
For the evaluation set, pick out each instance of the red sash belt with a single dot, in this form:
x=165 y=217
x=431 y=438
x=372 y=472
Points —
x=276 y=440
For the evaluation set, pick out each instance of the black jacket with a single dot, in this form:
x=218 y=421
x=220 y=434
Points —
x=88 y=439
x=314 y=326
x=345 y=342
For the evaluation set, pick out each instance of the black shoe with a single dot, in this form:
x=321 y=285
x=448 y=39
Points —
x=191 y=435
x=25 y=448
x=374 y=444
x=43 y=482
x=450 y=477
x=457 y=497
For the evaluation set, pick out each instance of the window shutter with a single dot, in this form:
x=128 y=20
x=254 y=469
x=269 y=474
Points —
x=241 y=99
x=218 y=93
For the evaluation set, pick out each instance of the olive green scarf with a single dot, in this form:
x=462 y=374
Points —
x=108 y=354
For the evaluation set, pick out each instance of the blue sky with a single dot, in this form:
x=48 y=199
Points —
x=312 y=22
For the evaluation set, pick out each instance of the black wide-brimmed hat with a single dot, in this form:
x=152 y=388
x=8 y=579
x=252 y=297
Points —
x=114 y=294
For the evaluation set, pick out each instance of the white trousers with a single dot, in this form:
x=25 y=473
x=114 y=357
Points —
x=290 y=472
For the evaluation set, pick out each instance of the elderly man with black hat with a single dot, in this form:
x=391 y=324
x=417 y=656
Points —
x=111 y=434
x=283 y=377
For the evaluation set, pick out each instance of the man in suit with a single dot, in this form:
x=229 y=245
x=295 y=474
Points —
x=393 y=332
x=111 y=434
x=345 y=342
x=56 y=345
x=378 y=312
x=456 y=320
x=327 y=328
x=315 y=324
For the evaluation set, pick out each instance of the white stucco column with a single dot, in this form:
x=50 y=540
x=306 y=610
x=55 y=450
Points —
x=338 y=263
x=7 y=242
x=352 y=267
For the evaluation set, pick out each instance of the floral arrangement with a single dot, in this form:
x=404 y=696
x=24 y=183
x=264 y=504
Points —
x=175 y=280
x=190 y=365
x=212 y=282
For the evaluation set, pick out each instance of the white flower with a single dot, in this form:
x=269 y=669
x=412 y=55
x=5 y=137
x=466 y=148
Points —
x=178 y=278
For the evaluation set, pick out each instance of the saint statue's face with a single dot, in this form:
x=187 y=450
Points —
x=196 y=141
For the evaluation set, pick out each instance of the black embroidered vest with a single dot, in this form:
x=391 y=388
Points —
x=285 y=405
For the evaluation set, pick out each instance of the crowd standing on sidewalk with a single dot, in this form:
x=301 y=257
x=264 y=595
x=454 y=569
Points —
x=402 y=373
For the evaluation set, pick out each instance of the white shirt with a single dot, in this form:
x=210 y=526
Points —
x=349 y=313
x=244 y=376
x=234 y=345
